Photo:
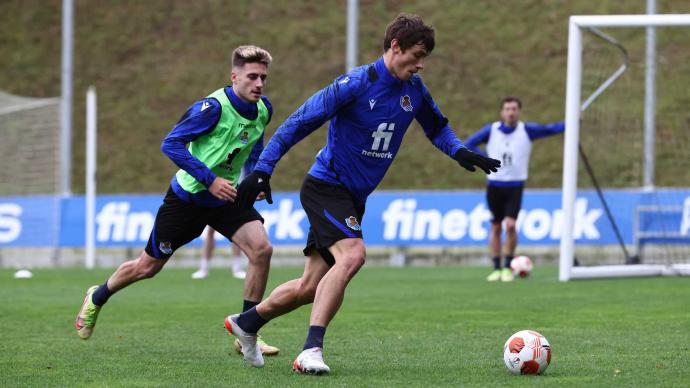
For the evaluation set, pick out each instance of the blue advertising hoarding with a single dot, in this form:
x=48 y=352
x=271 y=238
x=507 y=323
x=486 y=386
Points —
x=391 y=218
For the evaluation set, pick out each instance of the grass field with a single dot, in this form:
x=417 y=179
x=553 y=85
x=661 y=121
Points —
x=398 y=327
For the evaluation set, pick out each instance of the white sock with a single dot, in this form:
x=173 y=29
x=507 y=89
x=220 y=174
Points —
x=237 y=263
x=203 y=264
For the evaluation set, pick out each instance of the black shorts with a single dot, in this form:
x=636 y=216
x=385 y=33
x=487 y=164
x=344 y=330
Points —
x=179 y=222
x=333 y=215
x=504 y=201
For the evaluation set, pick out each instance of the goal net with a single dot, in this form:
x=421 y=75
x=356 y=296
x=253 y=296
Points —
x=626 y=189
x=29 y=178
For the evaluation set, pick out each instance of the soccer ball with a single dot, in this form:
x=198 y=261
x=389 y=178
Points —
x=527 y=352
x=521 y=266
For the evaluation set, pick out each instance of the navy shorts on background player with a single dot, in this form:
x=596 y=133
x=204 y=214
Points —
x=333 y=215
x=504 y=201
x=179 y=222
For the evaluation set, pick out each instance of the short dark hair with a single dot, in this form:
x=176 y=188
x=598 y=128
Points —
x=250 y=54
x=409 y=30
x=511 y=99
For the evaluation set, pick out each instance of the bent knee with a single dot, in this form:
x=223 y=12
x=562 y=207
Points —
x=261 y=253
x=353 y=261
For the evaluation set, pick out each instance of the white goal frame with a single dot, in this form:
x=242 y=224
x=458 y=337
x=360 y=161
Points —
x=570 y=149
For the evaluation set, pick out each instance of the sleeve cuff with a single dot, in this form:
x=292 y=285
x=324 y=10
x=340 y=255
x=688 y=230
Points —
x=208 y=181
x=264 y=167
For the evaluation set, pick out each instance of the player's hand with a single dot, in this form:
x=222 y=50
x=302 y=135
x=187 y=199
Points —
x=222 y=189
x=250 y=188
x=469 y=160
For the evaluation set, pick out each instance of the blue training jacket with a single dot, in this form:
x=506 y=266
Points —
x=369 y=112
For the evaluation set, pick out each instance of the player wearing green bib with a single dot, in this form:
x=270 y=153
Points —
x=214 y=140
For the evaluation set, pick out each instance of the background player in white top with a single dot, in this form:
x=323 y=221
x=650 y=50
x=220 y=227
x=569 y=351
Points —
x=207 y=249
x=510 y=141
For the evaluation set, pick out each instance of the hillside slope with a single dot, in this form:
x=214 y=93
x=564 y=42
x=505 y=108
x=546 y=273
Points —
x=151 y=59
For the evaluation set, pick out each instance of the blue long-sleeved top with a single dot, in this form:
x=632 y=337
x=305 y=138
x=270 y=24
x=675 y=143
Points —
x=199 y=120
x=534 y=132
x=369 y=111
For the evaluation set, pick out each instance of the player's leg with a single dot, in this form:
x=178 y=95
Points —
x=496 y=206
x=283 y=299
x=511 y=240
x=349 y=257
x=206 y=254
x=251 y=238
x=509 y=249
x=176 y=224
x=245 y=229
x=96 y=296
x=513 y=203
x=334 y=216
x=294 y=293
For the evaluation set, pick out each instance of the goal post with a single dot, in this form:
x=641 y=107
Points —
x=573 y=102
x=29 y=180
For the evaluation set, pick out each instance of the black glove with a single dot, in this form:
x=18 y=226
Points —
x=469 y=159
x=251 y=186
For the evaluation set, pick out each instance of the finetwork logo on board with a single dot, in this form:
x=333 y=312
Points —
x=116 y=222
x=404 y=221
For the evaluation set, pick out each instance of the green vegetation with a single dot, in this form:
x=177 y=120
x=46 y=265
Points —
x=412 y=327
x=151 y=59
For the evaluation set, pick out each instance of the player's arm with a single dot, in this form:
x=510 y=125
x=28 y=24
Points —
x=536 y=131
x=480 y=137
x=436 y=127
x=313 y=113
x=199 y=120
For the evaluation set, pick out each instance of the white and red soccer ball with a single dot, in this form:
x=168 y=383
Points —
x=527 y=352
x=521 y=266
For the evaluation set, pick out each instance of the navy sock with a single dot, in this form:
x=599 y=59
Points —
x=497 y=262
x=101 y=295
x=248 y=304
x=315 y=337
x=508 y=260
x=250 y=321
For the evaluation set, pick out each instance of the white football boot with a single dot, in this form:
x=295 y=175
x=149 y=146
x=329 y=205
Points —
x=200 y=274
x=310 y=361
x=250 y=348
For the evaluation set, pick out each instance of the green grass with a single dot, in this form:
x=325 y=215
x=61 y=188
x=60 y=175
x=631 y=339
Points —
x=416 y=327
x=151 y=59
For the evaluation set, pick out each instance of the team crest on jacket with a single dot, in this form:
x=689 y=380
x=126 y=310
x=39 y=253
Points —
x=352 y=223
x=244 y=137
x=165 y=247
x=405 y=103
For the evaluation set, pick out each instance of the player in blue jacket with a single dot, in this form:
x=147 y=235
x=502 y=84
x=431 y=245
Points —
x=211 y=143
x=369 y=109
x=510 y=141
